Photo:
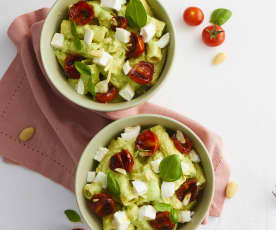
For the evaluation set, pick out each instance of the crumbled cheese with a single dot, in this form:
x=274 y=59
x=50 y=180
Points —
x=127 y=92
x=164 y=40
x=126 y=68
x=90 y=176
x=120 y=220
x=184 y=216
x=148 y=32
x=101 y=178
x=100 y=153
x=155 y=164
x=57 y=41
x=88 y=36
x=122 y=35
x=80 y=87
x=112 y=4
x=185 y=168
x=130 y=133
x=194 y=156
x=104 y=59
x=147 y=212
x=180 y=137
x=167 y=189
x=140 y=187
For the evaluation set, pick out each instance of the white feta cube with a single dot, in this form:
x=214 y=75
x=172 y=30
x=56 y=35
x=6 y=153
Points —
x=147 y=212
x=127 y=92
x=167 y=189
x=140 y=187
x=164 y=40
x=148 y=32
x=80 y=87
x=101 y=178
x=112 y=4
x=123 y=2
x=180 y=137
x=88 y=36
x=120 y=220
x=184 y=216
x=155 y=164
x=103 y=60
x=102 y=86
x=100 y=153
x=185 y=168
x=90 y=176
x=57 y=41
x=126 y=68
x=130 y=133
x=194 y=156
x=122 y=35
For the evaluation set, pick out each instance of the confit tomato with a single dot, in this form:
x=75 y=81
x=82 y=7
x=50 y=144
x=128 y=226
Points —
x=182 y=147
x=189 y=186
x=162 y=221
x=147 y=142
x=193 y=16
x=123 y=160
x=102 y=205
x=213 y=35
x=107 y=97
x=136 y=46
x=81 y=12
x=69 y=67
x=119 y=22
x=142 y=73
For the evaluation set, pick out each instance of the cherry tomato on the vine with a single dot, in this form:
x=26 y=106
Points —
x=213 y=35
x=193 y=16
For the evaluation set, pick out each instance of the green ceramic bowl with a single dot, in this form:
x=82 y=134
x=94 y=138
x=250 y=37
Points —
x=113 y=130
x=56 y=75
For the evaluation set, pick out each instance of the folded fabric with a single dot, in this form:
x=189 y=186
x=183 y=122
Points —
x=62 y=129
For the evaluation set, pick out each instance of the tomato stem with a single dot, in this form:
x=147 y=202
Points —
x=214 y=33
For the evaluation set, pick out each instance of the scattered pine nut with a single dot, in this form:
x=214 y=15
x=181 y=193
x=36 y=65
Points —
x=231 y=189
x=219 y=58
x=26 y=134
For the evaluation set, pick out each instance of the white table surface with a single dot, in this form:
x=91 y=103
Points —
x=237 y=99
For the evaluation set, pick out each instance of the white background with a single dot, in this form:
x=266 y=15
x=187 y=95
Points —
x=236 y=99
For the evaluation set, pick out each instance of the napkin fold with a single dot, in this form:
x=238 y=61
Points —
x=62 y=129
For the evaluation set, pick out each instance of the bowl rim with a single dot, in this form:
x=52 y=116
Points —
x=150 y=116
x=110 y=106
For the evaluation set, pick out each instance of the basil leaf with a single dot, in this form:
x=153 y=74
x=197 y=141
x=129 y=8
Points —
x=82 y=68
x=136 y=13
x=77 y=42
x=174 y=215
x=72 y=215
x=91 y=87
x=170 y=168
x=162 y=207
x=113 y=185
x=220 y=16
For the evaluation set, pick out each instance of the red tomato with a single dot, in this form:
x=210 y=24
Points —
x=102 y=204
x=136 y=46
x=147 y=142
x=189 y=186
x=81 y=13
x=193 y=16
x=183 y=148
x=213 y=35
x=162 y=221
x=142 y=73
x=107 y=97
x=69 y=67
x=123 y=160
x=119 y=22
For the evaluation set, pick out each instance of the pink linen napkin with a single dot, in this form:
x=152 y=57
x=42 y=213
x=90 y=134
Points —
x=62 y=129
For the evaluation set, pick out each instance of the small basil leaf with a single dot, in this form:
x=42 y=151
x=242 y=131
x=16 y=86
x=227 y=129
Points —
x=136 y=13
x=91 y=87
x=162 y=207
x=170 y=168
x=174 y=215
x=113 y=185
x=77 y=42
x=72 y=215
x=220 y=16
x=82 y=68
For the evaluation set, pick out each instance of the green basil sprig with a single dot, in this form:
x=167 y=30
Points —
x=113 y=185
x=72 y=216
x=220 y=16
x=174 y=215
x=162 y=207
x=170 y=168
x=136 y=13
x=77 y=42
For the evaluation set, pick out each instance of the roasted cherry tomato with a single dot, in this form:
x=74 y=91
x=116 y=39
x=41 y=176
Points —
x=123 y=160
x=107 y=97
x=81 y=13
x=189 y=186
x=102 y=204
x=119 y=22
x=162 y=221
x=142 y=73
x=183 y=148
x=136 y=46
x=147 y=142
x=69 y=67
x=193 y=16
x=213 y=35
